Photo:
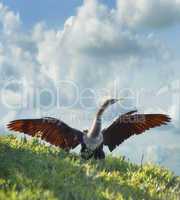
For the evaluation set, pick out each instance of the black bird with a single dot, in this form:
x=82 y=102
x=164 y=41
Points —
x=58 y=133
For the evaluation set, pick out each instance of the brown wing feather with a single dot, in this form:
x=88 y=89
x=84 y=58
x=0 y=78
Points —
x=51 y=130
x=129 y=124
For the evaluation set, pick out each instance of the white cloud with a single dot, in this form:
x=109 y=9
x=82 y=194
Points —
x=92 y=50
x=94 y=31
x=149 y=14
x=9 y=20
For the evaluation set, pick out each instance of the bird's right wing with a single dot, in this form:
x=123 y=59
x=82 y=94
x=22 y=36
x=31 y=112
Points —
x=129 y=124
x=51 y=130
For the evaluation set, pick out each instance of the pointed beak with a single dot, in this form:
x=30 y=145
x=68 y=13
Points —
x=113 y=101
x=119 y=99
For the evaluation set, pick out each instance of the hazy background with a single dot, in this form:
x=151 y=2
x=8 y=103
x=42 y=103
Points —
x=61 y=58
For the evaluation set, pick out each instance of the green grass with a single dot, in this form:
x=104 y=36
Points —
x=29 y=170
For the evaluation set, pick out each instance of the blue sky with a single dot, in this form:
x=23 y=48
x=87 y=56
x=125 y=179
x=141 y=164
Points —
x=93 y=49
x=54 y=12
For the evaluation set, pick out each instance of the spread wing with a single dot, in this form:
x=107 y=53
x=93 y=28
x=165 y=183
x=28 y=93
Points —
x=130 y=124
x=51 y=130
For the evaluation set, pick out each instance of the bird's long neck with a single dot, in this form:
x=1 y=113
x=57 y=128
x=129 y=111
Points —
x=96 y=126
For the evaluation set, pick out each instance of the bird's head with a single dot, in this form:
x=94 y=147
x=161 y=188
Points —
x=111 y=101
x=85 y=131
x=106 y=104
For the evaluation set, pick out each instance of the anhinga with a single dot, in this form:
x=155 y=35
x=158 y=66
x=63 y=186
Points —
x=58 y=133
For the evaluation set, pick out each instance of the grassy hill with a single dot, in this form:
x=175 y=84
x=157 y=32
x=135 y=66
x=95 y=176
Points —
x=32 y=171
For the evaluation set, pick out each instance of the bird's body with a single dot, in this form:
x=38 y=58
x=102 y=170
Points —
x=58 y=133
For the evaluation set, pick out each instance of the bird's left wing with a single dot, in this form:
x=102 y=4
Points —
x=129 y=124
x=51 y=130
